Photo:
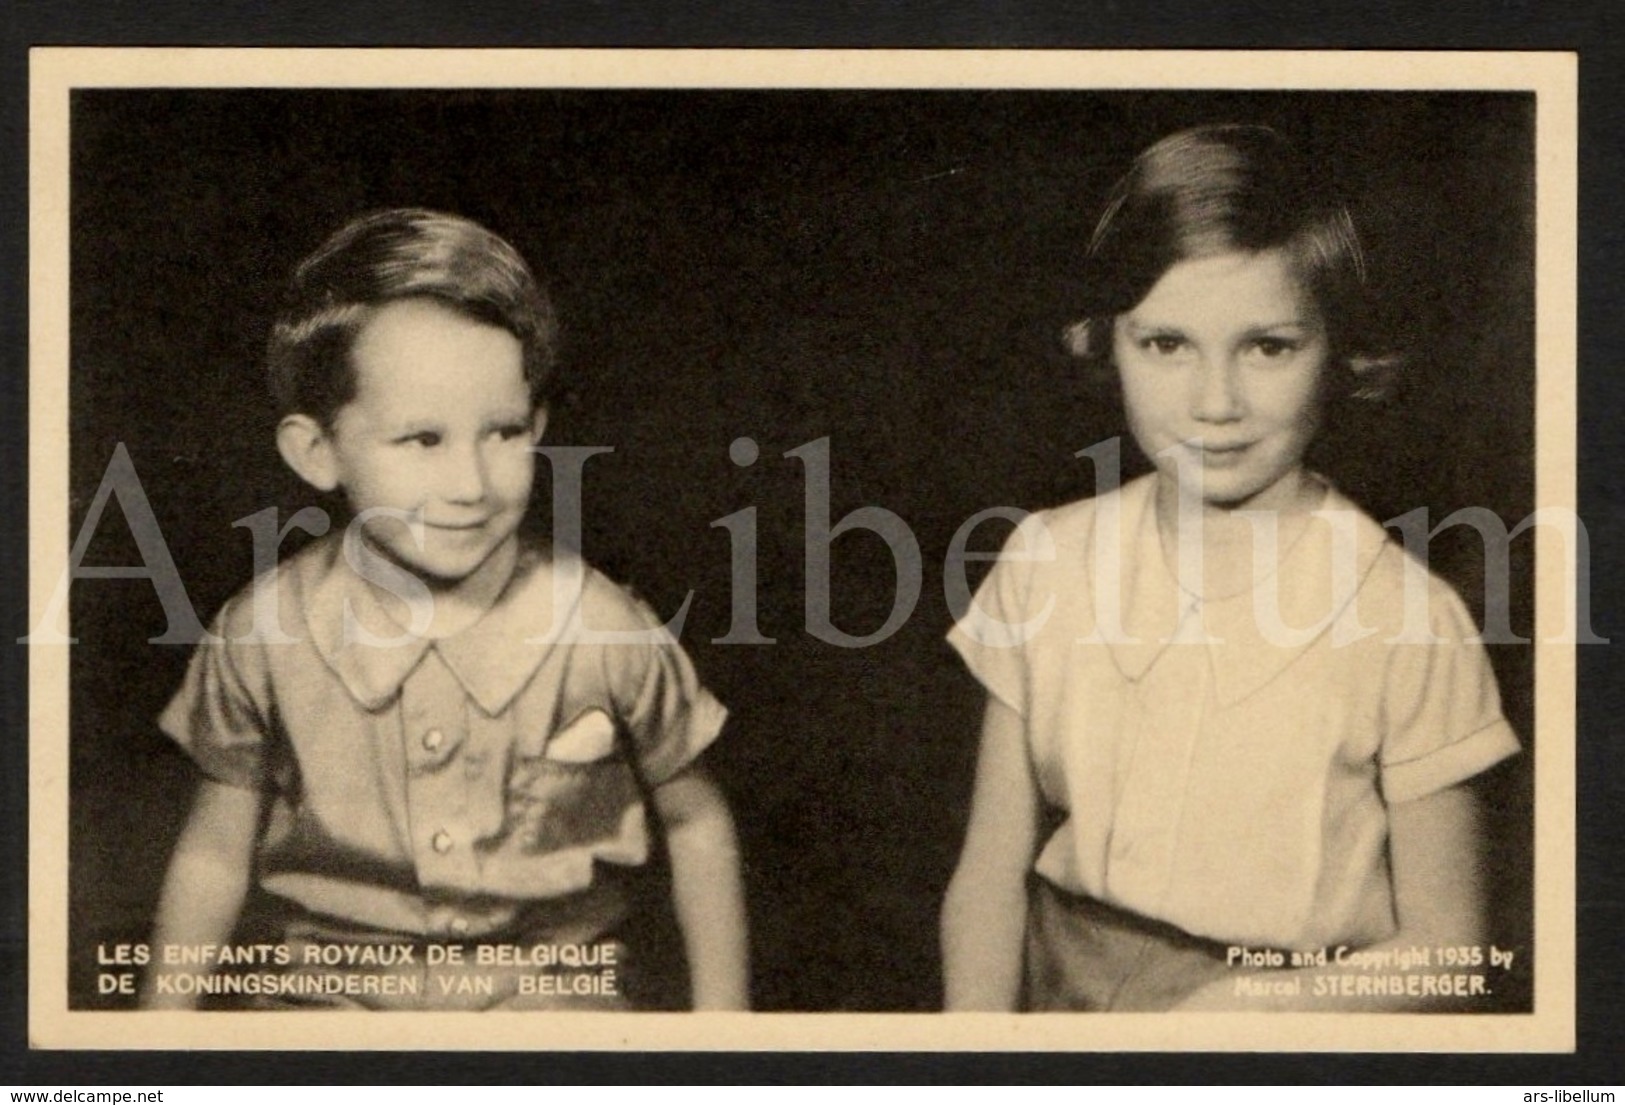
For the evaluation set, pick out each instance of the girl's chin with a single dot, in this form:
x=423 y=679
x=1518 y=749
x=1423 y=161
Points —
x=1222 y=491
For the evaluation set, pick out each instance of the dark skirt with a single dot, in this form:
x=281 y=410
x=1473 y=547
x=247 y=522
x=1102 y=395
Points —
x=1086 y=956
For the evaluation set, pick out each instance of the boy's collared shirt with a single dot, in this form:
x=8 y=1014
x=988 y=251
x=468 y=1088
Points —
x=442 y=787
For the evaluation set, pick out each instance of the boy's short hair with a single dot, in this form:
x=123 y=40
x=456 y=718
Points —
x=391 y=255
x=1232 y=188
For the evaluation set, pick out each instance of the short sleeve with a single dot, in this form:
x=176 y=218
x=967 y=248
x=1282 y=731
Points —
x=992 y=635
x=216 y=716
x=1443 y=721
x=670 y=717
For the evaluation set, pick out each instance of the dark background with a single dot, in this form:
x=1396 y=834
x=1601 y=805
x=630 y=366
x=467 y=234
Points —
x=889 y=270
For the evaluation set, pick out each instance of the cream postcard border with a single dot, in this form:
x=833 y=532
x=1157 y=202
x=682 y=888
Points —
x=56 y=72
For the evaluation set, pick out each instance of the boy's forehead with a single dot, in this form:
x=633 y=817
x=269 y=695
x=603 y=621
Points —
x=424 y=353
x=423 y=319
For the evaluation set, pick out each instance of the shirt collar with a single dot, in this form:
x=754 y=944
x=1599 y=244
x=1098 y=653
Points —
x=493 y=659
x=1317 y=580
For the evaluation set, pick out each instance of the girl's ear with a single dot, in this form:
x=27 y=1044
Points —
x=307 y=449
x=538 y=424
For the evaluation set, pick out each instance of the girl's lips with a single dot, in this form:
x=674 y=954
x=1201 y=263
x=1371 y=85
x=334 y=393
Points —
x=1220 y=456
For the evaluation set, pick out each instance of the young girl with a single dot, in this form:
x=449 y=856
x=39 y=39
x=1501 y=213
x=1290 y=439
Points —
x=431 y=741
x=1227 y=719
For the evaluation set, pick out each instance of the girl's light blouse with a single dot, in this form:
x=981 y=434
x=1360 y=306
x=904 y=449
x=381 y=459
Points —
x=1227 y=766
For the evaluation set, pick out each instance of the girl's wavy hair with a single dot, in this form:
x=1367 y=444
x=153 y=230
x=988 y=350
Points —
x=391 y=255
x=1222 y=189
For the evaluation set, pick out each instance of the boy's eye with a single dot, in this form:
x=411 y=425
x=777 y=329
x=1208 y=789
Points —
x=428 y=439
x=514 y=432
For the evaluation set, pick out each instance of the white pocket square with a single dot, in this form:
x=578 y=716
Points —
x=589 y=737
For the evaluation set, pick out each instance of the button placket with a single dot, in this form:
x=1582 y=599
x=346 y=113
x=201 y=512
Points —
x=434 y=708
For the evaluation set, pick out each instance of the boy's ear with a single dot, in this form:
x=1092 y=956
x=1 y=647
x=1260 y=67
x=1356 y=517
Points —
x=307 y=449
x=538 y=424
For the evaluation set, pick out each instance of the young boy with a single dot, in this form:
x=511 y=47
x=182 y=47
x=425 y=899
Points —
x=415 y=733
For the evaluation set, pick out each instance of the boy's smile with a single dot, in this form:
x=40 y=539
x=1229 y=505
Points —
x=434 y=451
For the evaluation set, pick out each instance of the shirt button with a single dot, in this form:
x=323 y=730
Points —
x=441 y=841
x=433 y=739
x=459 y=925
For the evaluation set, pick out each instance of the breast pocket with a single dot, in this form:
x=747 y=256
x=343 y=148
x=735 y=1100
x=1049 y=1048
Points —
x=590 y=737
x=577 y=792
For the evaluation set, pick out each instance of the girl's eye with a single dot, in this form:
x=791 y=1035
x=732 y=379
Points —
x=1275 y=347
x=513 y=433
x=428 y=439
x=1164 y=345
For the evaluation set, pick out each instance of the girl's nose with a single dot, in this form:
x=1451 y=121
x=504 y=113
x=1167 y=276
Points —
x=1216 y=394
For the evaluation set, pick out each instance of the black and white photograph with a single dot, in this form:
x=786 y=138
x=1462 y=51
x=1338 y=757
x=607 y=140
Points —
x=872 y=547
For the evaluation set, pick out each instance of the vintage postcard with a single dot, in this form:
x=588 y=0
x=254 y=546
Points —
x=803 y=549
